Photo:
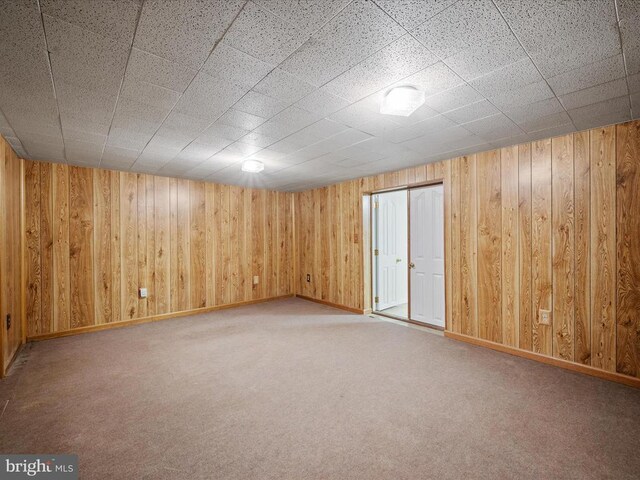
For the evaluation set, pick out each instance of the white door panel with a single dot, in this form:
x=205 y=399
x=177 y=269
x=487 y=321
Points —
x=427 y=255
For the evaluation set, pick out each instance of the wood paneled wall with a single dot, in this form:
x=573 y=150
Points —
x=93 y=237
x=553 y=225
x=10 y=253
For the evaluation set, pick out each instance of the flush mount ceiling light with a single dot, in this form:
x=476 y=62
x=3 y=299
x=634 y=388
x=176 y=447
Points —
x=252 y=166
x=402 y=101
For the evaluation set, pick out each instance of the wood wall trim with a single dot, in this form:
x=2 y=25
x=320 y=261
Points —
x=557 y=362
x=331 y=304
x=149 y=319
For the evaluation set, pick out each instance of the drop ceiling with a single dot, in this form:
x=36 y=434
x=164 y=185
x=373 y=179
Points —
x=192 y=88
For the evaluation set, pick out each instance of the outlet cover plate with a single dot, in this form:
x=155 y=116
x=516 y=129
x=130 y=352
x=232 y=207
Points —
x=545 y=317
x=142 y=292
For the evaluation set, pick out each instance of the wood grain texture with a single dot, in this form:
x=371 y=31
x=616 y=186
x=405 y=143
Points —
x=468 y=246
x=489 y=246
x=524 y=248
x=11 y=251
x=541 y=261
x=113 y=232
x=628 y=249
x=603 y=248
x=582 y=259
x=510 y=242
x=46 y=247
x=454 y=256
x=563 y=246
x=81 y=225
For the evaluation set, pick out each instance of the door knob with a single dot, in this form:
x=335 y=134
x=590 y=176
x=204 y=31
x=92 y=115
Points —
x=412 y=265
x=398 y=260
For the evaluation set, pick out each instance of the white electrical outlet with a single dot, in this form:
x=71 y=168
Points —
x=545 y=317
x=142 y=292
x=256 y=279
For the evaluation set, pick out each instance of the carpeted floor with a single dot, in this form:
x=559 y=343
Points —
x=295 y=390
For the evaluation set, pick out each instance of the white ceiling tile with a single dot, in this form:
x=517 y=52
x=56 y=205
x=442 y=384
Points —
x=223 y=130
x=110 y=18
x=496 y=126
x=242 y=149
x=550 y=132
x=634 y=83
x=320 y=101
x=419 y=129
x=168 y=143
x=80 y=57
x=602 y=71
x=612 y=106
x=139 y=117
x=635 y=105
x=260 y=105
x=258 y=140
x=307 y=16
x=510 y=77
x=471 y=112
x=83 y=136
x=602 y=120
x=486 y=56
x=316 y=131
x=184 y=31
x=198 y=152
x=454 y=98
x=283 y=86
x=531 y=111
x=150 y=68
x=83 y=153
x=94 y=106
x=239 y=119
x=394 y=62
x=531 y=93
x=232 y=65
x=631 y=43
x=563 y=35
x=43 y=151
x=148 y=93
x=411 y=13
x=128 y=138
x=208 y=97
x=213 y=140
x=462 y=26
x=380 y=127
x=548 y=121
x=358 y=31
x=118 y=157
x=179 y=124
x=599 y=93
x=263 y=35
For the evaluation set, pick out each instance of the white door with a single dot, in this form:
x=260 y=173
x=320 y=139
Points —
x=426 y=250
x=390 y=249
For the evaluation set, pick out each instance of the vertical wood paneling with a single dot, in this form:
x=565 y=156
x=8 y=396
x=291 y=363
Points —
x=116 y=232
x=32 y=239
x=489 y=246
x=524 y=247
x=129 y=244
x=46 y=246
x=468 y=246
x=210 y=257
x=197 y=245
x=603 y=248
x=222 y=244
x=510 y=241
x=122 y=231
x=541 y=268
x=102 y=240
x=582 y=187
x=454 y=271
x=563 y=246
x=628 y=249
x=258 y=206
x=81 y=224
x=162 y=256
x=150 y=246
x=142 y=228
x=61 y=291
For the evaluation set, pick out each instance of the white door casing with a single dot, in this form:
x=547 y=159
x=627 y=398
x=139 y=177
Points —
x=427 y=255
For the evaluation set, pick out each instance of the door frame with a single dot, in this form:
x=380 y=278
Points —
x=371 y=260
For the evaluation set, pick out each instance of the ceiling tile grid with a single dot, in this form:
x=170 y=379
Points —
x=191 y=88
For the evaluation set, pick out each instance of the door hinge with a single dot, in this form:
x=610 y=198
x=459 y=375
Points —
x=375 y=204
x=375 y=252
x=376 y=300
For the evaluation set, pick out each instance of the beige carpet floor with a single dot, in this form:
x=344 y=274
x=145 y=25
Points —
x=294 y=390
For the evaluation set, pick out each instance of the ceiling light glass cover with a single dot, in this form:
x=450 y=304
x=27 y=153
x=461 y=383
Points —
x=402 y=101
x=252 y=166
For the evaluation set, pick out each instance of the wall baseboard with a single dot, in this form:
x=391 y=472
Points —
x=557 y=362
x=152 y=318
x=331 y=304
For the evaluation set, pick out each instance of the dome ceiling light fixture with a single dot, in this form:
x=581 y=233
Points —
x=252 y=166
x=402 y=101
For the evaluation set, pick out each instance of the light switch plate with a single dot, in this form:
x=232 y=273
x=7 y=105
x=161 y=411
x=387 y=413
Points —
x=256 y=279
x=142 y=292
x=545 y=317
